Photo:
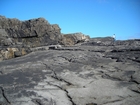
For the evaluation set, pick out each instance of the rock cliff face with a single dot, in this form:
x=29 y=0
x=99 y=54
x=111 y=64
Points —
x=80 y=71
x=32 y=33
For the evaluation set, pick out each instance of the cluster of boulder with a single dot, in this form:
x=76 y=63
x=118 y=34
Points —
x=21 y=36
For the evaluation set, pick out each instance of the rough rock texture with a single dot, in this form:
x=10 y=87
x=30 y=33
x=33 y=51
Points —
x=71 y=70
x=86 y=74
x=100 y=41
x=34 y=32
x=8 y=52
x=74 y=38
x=110 y=41
x=16 y=34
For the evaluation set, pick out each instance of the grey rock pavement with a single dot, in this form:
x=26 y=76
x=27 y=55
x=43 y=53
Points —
x=78 y=75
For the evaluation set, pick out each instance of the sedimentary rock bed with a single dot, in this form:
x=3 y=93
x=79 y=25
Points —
x=80 y=75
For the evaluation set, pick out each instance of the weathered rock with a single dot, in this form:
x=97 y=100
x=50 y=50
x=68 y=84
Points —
x=54 y=46
x=74 y=75
x=103 y=41
x=4 y=39
x=8 y=53
x=73 y=38
x=97 y=71
x=109 y=41
x=34 y=32
x=17 y=54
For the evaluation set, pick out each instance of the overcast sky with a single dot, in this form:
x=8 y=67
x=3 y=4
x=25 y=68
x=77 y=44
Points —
x=96 y=18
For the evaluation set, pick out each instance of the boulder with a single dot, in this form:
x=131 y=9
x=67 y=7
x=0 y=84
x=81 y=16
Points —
x=17 y=53
x=73 y=38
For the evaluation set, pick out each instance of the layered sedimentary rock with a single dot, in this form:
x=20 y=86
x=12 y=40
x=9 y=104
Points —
x=16 y=34
x=34 y=32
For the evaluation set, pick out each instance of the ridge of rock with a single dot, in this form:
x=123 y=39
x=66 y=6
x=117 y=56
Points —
x=16 y=34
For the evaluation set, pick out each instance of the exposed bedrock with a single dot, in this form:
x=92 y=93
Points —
x=33 y=33
x=80 y=75
x=65 y=69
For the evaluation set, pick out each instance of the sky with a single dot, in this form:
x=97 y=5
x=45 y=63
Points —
x=96 y=18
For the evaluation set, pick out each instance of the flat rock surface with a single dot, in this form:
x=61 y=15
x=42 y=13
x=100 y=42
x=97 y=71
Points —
x=79 y=75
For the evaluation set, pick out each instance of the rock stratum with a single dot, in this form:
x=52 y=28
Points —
x=18 y=37
x=72 y=70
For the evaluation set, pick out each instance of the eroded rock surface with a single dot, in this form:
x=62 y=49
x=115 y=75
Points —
x=65 y=69
x=78 y=75
x=16 y=34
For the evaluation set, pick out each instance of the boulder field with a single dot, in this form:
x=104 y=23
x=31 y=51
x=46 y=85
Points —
x=72 y=70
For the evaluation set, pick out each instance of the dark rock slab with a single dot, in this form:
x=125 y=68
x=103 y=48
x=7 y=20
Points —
x=78 y=75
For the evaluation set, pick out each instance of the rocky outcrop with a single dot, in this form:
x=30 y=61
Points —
x=110 y=41
x=71 y=70
x=103 y=41
x=8 y=53
x=133 y=42
x=73 y=75
x=74 y=38
x=31 y=34
x=35 y=33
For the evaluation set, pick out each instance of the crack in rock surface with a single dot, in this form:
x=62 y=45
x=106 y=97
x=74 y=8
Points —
x=91 y=75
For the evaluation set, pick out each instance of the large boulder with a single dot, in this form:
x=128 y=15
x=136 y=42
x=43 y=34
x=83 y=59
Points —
x=74 y=38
